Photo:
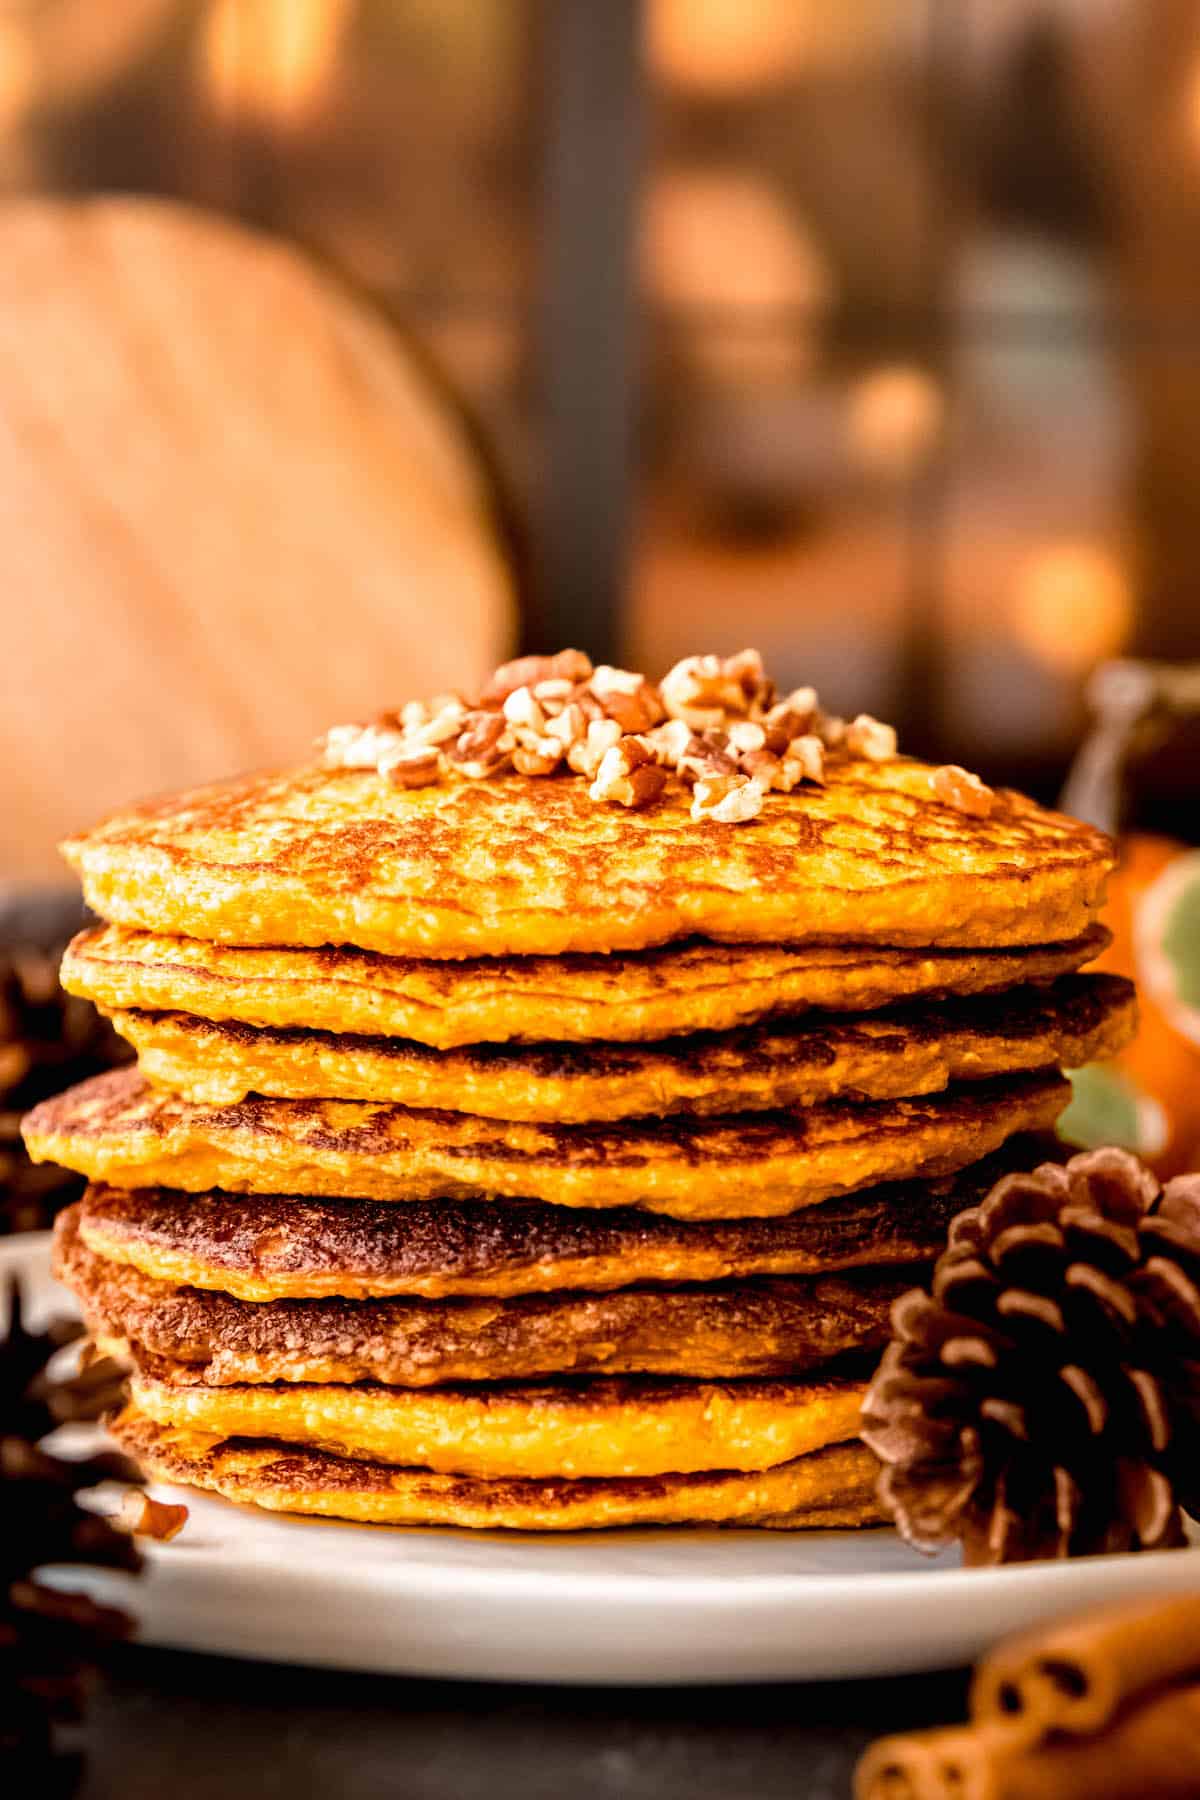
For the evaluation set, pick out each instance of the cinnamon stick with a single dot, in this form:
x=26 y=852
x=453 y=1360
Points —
x=957 y=1762
x=1151 y=1753
x=1076 y=1679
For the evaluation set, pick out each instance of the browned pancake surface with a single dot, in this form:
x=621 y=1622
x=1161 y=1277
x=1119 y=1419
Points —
x=693 y=986
x=772 y=1327
x=117 y=1128
x=831 y=1487
x=526 y=866
x=609 y=1426
x=266 y=1247
x=802 y=1062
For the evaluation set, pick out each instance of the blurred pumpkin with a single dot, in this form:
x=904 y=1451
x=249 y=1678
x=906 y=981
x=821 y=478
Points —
x=1148 y=1097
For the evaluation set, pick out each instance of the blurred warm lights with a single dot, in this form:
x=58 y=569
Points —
x=725 y=47
x=1190 y=111
x=76 y=45
x=895 y=418
x=18 y=72
x=1072 y=605
x=272 y=59
x=721 y=245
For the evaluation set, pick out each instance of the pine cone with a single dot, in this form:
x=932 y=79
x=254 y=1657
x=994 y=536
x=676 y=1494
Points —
x=49 y=1640
x=1045 y=1400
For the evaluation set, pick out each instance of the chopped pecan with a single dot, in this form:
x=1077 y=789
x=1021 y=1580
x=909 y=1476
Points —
x=960 y=789
x=867 y=737
x=141 y=1516
x=626 y=697
x=669 y=741
x=569 y=726
x=410 y=714
x=793 y=714
x=415 y=766
x=694 y=690
x=607 y=680
x=585 y=754
x=715 y=720
x=628 y=775
x=705 y=755
x=523 y=709
x=705 y=690
x=763 y=766
x=745 y=735
x=553 y=694
x=729 y=799
x=634 y=713
x=588 y=704
x=536 y=755
x=445 y=722
x=359 y=746
x=805 y=761
x=484 y=746
x=758 y=690
x=528 y=671
x=801 y=760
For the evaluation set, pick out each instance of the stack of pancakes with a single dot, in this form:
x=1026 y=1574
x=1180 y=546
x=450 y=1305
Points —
x=574 y=1186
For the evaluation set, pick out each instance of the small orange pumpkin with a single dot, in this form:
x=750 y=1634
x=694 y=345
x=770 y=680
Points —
x=1149 y=1095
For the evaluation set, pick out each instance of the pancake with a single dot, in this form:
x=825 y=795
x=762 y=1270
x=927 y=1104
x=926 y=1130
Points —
x=117 y=1128
x=271 y=1247
x=696 y=986
x=805 y=1062
x=779 y=1327
x=614 y=1427
x=830 y=1488
x=520 y=865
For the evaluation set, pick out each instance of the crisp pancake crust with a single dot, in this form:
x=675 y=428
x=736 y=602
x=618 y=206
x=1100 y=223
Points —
x=269 y=1247
x=612 y=1427
x=890 y=1055
x=695 y=986
x=780 y=1327
x=519 y=865
x=116 y=1128
x=829 y=1488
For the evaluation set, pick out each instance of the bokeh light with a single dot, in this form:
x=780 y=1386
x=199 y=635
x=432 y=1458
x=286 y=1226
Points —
x=728 y=47
x=272 y=59
x=895 y=416
x=720 y=243
x=1072 y=605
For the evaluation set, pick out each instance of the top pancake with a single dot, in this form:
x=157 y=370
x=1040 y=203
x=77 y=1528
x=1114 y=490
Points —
x=619 y=998
x=518 y=865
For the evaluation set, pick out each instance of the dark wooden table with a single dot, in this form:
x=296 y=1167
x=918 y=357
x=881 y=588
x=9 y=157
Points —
x=169 y=1726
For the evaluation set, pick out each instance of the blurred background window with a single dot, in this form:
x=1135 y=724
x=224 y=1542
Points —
x=864 y=333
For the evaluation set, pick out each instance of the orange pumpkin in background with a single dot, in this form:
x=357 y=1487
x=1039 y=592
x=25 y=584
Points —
x=1148 y=1097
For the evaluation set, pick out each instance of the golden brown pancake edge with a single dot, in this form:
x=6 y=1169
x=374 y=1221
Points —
x=781 y=1327
x=265 y=1247
x=614 y=1426
x=834 y=1487
x=620 y=997
x=519 y=865
x=116 y=1128
x=806 y=1062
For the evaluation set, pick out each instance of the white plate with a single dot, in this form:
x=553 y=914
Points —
x=630 y=1606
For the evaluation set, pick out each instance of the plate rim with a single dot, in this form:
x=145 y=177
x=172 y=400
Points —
x=402 y=1612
